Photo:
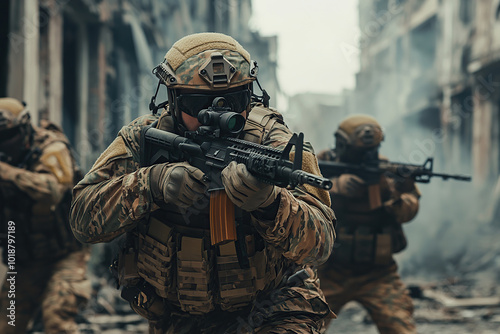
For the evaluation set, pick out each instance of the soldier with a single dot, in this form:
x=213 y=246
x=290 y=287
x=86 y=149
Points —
x=170 y=272
x=37 y=174
x=362 y=267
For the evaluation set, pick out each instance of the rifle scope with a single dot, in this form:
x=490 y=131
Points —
x=222 y=118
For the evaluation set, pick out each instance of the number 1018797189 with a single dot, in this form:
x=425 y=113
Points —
x=11 y=246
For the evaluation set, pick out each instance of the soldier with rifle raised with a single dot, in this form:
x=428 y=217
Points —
x=371 y=197
x=215 y=240
x=47 y=266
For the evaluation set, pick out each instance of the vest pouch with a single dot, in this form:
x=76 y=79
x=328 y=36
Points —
x=363 y=251
x=144 y=301
x=344 y=252
x=154 y=260
x=238 y=286
x=193 y=276
x=399 y=241
x=383 y=247
x=127 y=273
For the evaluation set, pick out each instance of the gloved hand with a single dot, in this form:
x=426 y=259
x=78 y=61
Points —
x=245 y=190
x=402 y=208
x=177 y=183
x=348 y=185
x=8 y=172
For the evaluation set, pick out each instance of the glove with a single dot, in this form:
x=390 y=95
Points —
x=8 y=172
x=403 y=208
x=178 y=183
x=246 y=191
x=349 y=185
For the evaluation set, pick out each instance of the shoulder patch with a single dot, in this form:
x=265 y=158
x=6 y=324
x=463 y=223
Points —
x=131 y=134
x=117 y=149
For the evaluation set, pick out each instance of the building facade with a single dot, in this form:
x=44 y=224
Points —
x=86 y=64
x=436 y=64
x=430 y=72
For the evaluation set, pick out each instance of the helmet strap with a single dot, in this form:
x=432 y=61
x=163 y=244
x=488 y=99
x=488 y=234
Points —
x=152 y=104
x=175 y=112
x=264 y=98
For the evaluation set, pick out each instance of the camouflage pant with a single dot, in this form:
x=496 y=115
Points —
x=296 y=325
x=381 y=292
x=59 y=288
x=285 y=310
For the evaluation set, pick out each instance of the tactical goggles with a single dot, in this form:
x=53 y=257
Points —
x=192 y=104
x=9 y=134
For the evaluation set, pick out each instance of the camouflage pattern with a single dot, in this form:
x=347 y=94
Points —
x=50 y=263
x=380 y=291
x=12 y=113
x=15 y=130
x=115 y=197
x=376 y=286
x=185 y=61
x=34 y=198
x=57 y=290
x=68 y=290
x=188 y=76
x=270 y=313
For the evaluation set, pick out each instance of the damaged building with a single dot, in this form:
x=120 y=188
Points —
x=86 y=64
x=436 y=65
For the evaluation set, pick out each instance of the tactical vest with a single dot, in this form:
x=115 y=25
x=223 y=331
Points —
x=364 y=236
x=42 y=232
x=174 y=265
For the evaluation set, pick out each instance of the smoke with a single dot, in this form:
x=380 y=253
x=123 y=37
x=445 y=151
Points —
x=456 y=231
x=453 y=234
x=402 y=86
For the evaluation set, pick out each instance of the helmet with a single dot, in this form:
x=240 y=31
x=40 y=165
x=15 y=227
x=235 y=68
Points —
x=206 y=61
x=211 y=64
x=15 y=127
x=356 y=135
x=360 y=131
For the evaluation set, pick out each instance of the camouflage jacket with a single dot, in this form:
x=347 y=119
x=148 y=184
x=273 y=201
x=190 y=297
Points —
x=33 y=197
x=115 y=196
x=403 y=192
x=369 y=236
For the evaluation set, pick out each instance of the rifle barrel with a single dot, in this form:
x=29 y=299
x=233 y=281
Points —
x=452 y=176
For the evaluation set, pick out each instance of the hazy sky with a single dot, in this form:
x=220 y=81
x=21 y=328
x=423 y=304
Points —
x=317 y=42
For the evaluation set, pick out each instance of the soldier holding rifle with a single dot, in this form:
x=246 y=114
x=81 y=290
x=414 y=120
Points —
x=255 y=274
x=372 y=198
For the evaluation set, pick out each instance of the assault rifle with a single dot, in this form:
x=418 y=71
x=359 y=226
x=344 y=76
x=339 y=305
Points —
x=31 y=156
x=213 y=146
x=371 y=170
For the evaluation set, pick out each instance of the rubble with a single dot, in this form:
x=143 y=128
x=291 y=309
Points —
x=447 y=307
x=451 y=306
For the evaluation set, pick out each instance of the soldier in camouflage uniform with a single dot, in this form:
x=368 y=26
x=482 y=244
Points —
x=169 y=271
x=362 y=267
x=37 y=174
